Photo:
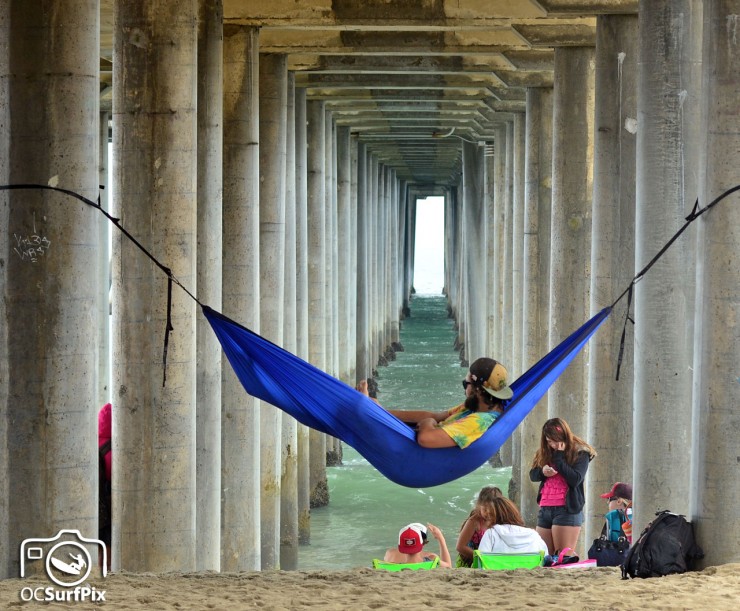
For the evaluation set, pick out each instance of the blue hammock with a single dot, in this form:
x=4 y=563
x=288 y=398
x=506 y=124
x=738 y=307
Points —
x=327 y=404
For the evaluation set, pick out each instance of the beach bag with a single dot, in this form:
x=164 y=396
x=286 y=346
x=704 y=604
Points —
x=104 y=489
x=665 y=547
x=608 y=553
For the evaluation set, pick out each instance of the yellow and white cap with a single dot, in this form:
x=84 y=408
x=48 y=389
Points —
x=492 y=377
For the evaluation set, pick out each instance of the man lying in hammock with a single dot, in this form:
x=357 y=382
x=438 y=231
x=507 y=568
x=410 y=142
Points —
x=486 y=389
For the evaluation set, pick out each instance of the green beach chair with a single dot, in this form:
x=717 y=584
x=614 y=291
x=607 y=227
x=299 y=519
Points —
x=413 y=566
x=507 y=562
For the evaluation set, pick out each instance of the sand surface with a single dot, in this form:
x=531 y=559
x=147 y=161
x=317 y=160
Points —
x=712 y=588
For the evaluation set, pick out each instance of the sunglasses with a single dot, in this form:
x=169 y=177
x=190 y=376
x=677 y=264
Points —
x=466 y=383
x=613 y=498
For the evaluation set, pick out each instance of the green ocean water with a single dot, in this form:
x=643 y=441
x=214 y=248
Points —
x=366 y=511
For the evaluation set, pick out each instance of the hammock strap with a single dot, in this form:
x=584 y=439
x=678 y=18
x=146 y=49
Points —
x=171 y=278
x=627 y=319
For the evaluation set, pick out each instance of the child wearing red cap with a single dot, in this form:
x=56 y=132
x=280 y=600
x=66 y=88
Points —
x=411 y=541
x=619 y=516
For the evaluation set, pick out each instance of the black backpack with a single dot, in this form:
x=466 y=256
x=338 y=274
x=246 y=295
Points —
x=104 y=488
x=665 y=547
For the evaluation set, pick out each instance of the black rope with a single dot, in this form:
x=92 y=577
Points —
x=171 y=278
x=627 y=318
x=695 y=213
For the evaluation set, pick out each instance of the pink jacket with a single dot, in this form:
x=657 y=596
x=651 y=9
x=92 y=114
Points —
x=105 y=429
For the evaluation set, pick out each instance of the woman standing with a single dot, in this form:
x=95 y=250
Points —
x=560 y=466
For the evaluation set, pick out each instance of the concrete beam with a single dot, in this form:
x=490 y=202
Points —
x=350 y=14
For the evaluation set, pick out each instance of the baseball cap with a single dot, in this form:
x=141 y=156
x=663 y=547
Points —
x=620 y=490
x=411 y=538
x=494 y=378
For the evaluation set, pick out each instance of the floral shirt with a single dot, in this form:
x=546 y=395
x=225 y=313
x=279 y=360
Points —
x=465 y=426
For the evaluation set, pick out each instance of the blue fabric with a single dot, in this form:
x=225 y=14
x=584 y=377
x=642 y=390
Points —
x=326 y=404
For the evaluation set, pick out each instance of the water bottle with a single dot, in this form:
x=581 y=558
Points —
x=628 y=513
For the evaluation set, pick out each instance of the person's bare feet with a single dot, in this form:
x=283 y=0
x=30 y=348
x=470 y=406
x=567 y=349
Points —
x=362 y=387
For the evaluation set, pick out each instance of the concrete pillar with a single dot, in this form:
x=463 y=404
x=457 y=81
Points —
x=378 y=261
x=491 y=162
x=49 y=115
x=372 y=259
x=475 y=243
x=353 y=237
x=330 y=317
x=334 y=446
x=155 y=173
x=362 y=320
x=715 y=445
x=383 y=262
x=289 y=442
x=395 y=246
x=344 y=284
x=459 y=276
x=570 y=246
x=240 y=438
x=517 y=254
x=454 y=222
x=496 y=247
x=209 y=258
x=517 y=298
x=317 y=279
x=411 y=244
x=5 y=544
x=612 y=258
x=506 y=319
x=301 y=215
x=536 y=268
x=273 y=109
x=668 y=99
x=103 y=263
x=449 y=250
x=504 y=351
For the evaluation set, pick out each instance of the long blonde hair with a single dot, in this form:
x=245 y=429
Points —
x=557 y=429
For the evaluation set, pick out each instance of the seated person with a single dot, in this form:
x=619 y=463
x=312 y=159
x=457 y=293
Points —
x=618 y=518
x=508 y=535
x=486 y=388
x=472 y=529
x=411 y=541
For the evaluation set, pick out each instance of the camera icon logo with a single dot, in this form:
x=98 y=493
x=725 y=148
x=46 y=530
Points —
x=66 y=559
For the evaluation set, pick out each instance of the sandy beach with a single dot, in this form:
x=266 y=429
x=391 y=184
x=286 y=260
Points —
x=712 y=588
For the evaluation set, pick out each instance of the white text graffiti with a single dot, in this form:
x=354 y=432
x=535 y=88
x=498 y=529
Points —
x=31 y=247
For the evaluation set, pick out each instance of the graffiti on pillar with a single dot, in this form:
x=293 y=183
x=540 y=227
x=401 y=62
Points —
x=31 y=247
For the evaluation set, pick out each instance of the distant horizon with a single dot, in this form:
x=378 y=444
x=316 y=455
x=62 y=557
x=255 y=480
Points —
x=429 y=246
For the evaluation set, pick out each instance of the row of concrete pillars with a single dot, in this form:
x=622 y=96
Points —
x=231 y=178
x=580 y=195
x=260 y=205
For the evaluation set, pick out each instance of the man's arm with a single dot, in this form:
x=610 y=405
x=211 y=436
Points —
x=406 y=415
x=416 y=416
x=429 y=435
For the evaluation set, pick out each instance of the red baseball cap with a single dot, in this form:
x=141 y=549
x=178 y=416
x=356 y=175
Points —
x=619 y=490
x=411 y=539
